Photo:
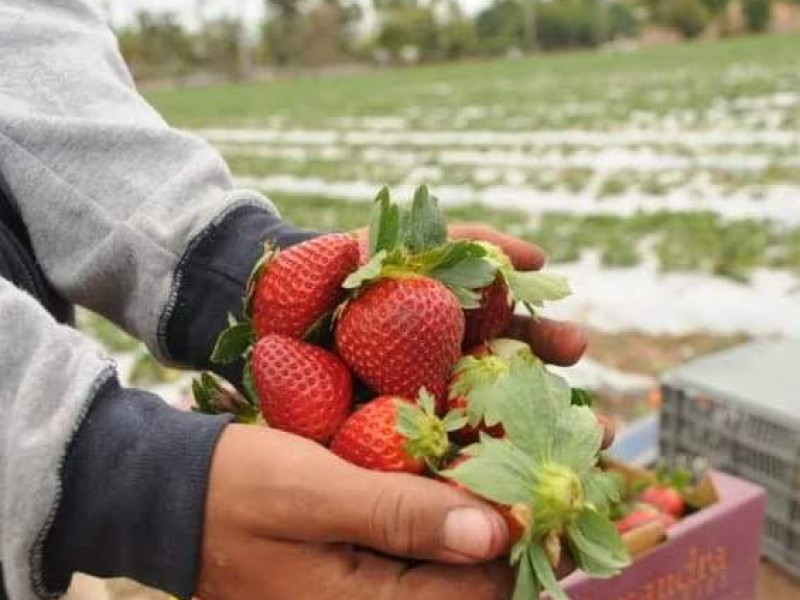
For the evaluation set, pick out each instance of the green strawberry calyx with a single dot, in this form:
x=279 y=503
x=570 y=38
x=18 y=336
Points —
x=212 y=398
x=425 y=433
x=475 y=379
x=412 y=242
x=547 y=463
x=532 y=288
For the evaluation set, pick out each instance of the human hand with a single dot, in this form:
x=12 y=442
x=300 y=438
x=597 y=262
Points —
x=286 y=519
x=556 y=342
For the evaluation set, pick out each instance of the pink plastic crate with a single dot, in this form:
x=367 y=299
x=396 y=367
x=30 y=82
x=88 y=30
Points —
x=710 y=555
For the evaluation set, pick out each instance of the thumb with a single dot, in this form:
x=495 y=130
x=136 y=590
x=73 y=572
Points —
x=410 y=516
x=278 y=485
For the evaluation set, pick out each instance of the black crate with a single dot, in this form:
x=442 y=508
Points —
x=752 y=446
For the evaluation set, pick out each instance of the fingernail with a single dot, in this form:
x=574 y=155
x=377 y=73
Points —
x=473 y=532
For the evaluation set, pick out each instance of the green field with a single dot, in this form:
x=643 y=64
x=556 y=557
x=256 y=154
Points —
x=713 y=121
x=580 y=89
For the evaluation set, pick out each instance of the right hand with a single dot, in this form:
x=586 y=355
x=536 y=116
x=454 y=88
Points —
x=288 y=520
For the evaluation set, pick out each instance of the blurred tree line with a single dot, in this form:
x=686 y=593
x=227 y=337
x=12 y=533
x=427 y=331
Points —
x=317 y=33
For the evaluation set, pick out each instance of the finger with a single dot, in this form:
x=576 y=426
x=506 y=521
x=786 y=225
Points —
x=492 y=581
x=556 y=342
x=410 y=516
x=524 y=255
x=311 y=495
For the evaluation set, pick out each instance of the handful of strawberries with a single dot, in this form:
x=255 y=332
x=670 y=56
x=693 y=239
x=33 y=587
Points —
x=390 y=357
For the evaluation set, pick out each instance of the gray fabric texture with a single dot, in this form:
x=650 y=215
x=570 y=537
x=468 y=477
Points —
x=112 y=198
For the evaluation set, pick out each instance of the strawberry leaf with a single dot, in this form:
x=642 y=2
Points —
x=471 y=272
x=602 y=490
x=368 y=272
x=232 y=343
x=544 y=572
x=426 y=228
x=529 y=405
x=271 y=252
x=248 y=383
x=384 y=225
x=497 y=471
x=454 y=420
x=597 y=546
x=527 y=586
x=467 y=299
x=578 y=437
x=581 y=397
x=535 y=287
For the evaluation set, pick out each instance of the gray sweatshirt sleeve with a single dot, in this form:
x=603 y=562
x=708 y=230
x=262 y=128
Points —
x=130 y=218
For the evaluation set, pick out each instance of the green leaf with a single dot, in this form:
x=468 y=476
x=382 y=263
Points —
x=427 y=228
x=599 y=549
x=427 y=402
x=409 y=417
x=384 y=225
x=248 y=383
x=471 y=272
x=497 y=471
x=527 y=586
x=581 y=397
x=602 y=490
x=544 y=572
x=368 y=272
x=467 y=299
x=529 y=404
x=534 y=287
x=454 y=420
x=578 y=437
x=232 y=343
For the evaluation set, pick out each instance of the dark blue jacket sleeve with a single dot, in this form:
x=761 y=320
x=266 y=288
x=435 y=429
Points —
x=136 y=473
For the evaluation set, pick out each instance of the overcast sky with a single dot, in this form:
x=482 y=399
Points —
x=123 y=10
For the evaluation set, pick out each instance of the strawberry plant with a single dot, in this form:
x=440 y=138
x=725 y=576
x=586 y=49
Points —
x=547 y=467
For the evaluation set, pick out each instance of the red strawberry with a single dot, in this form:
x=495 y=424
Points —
x=298 y=286
x=640 y=515
x=402 y=335
x=469 y=435
x=666 y=499
x=492 y=318
x=303 y=389
x=393 y=434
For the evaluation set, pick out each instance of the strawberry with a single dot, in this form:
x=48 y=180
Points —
x=303 y=389
x=402 y=328
x=295 y=288
x=393 y=434
x=492 y=317
x=477 y=386
x=402 y=335
x=290 y=293
x=640 y=515
x=666 y=499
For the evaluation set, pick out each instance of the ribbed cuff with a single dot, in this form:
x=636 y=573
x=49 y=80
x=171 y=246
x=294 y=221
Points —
x=133 y=493
x=212 y=279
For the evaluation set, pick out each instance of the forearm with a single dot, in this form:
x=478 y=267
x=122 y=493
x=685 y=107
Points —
x=95 y=477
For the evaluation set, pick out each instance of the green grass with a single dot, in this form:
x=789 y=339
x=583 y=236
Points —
x=577 y=89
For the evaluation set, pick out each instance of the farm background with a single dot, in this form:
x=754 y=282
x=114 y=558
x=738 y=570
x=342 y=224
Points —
x=664 y=182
